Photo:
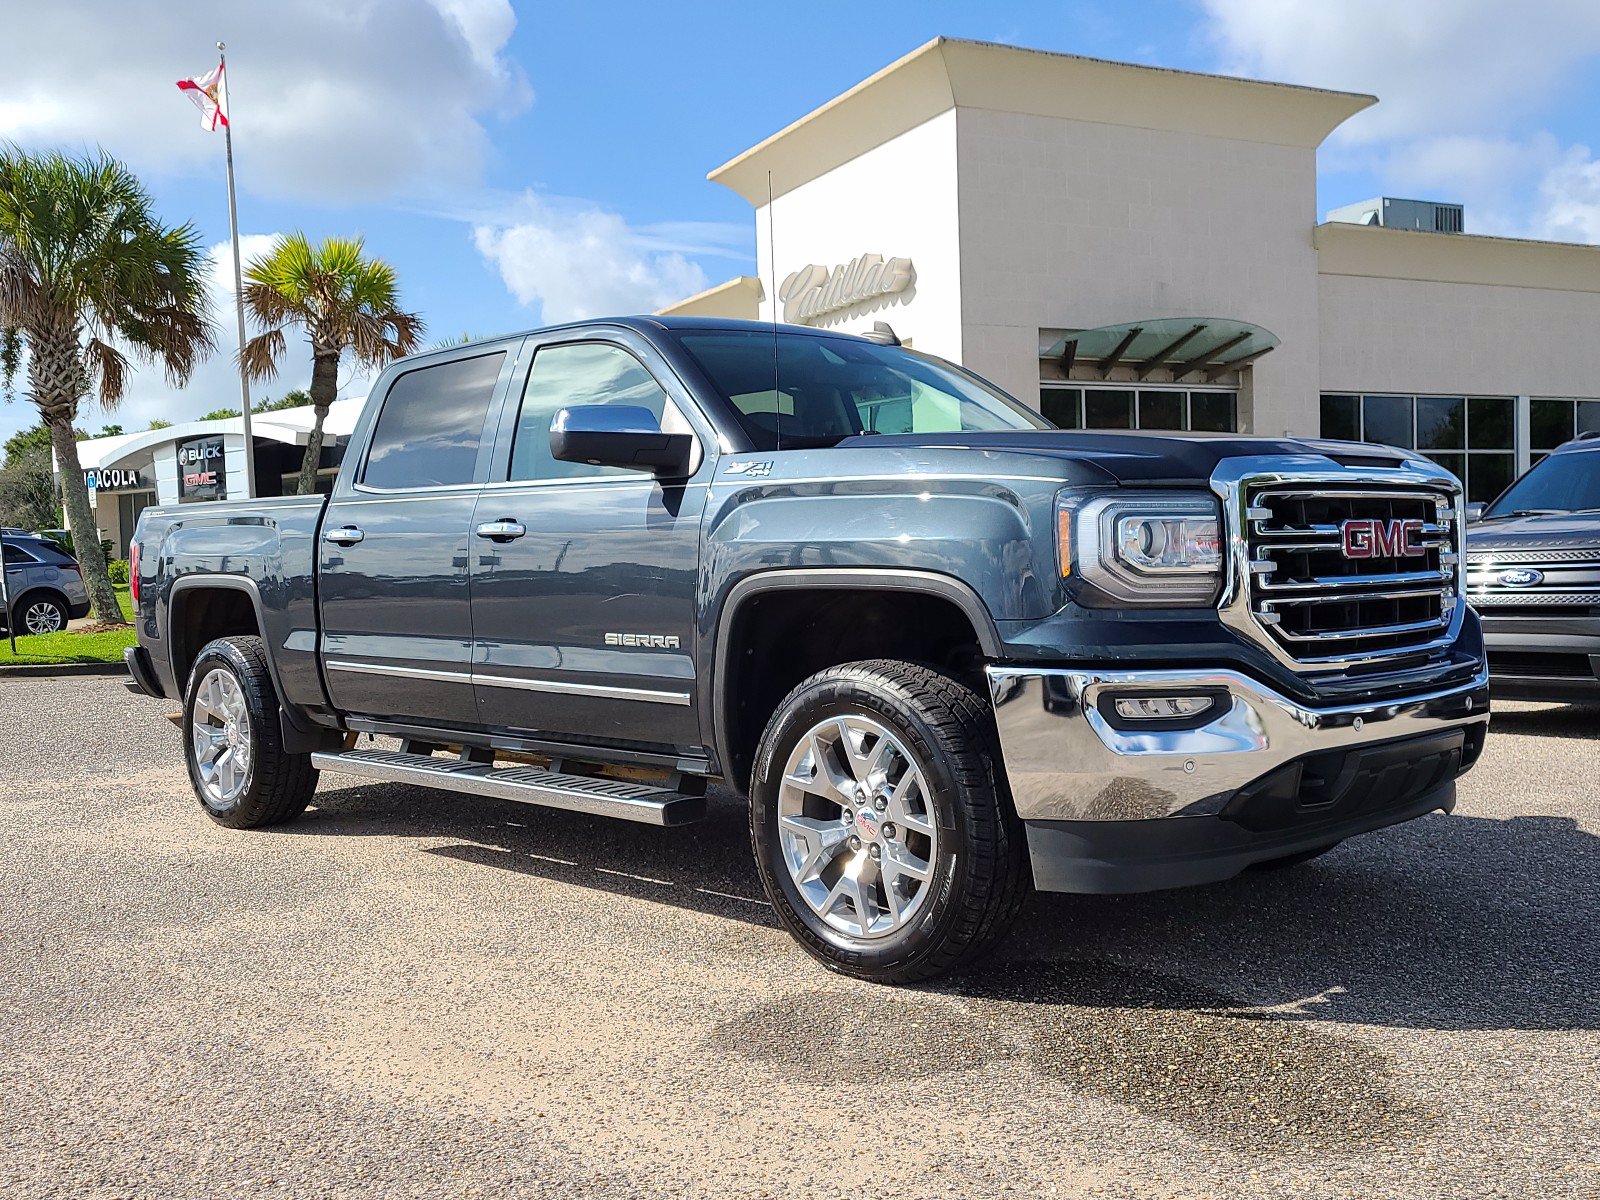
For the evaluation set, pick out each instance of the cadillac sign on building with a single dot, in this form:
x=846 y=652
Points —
x=814 y=292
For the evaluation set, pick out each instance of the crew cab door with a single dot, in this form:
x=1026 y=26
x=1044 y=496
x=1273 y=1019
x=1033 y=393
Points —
x=583 y=576
x=393 y=576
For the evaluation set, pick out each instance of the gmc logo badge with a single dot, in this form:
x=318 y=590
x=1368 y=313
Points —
x=1370 y=538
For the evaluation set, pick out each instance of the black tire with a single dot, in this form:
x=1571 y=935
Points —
x=1292 y=860
x=981 y=874
x=43 y=610
x=278 y=785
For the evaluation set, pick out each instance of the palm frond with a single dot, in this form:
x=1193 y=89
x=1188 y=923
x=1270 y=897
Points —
x=107 y=370
x=261 y=353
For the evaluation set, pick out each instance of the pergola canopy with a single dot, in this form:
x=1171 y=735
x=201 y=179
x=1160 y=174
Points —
x=1184 y=345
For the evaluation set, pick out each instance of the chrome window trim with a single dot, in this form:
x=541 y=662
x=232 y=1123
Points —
x=1235 y=478
x=599 y=691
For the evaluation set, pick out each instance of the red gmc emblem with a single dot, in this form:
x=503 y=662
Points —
x=1370 y=538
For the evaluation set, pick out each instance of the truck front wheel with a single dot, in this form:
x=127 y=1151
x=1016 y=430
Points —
x=240 y=771
x=880 y=822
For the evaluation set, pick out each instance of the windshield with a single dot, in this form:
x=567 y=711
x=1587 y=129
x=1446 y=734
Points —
x=829 y=389
x=1561 y=483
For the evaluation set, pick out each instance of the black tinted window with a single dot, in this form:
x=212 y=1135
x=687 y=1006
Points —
x=432 y=424
x=16 y=556
x=1561 y=483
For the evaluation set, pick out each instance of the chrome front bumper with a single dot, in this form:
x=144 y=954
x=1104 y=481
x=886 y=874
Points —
x=1066 y=762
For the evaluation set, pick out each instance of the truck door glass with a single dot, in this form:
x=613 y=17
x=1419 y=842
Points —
x=574 y=374
x=432 y=424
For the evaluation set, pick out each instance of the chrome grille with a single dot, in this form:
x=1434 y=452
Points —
x=1320 y=606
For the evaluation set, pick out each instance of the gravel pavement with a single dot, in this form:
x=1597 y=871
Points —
x=413 y=994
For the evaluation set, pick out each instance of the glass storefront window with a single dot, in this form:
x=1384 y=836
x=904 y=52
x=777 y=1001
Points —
x=1146 y=408
x=1161 y=410
x=1550 y=422
x=1472 y=437
x=1105 y=409
x=1491 y=423
x=1341 y=418
x=1387 y=419
x=1062 y=407
x=1441 y=422
x=1212 y=411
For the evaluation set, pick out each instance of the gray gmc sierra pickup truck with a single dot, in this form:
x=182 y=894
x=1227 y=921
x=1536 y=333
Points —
x=948 y=651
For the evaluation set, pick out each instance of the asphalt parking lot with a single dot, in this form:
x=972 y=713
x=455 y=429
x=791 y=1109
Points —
x=409 y=994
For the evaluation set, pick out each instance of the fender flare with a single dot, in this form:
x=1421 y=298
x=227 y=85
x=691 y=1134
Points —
x=890 y=579
x=294 y=734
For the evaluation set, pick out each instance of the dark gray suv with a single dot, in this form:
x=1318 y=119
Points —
x=44 y=585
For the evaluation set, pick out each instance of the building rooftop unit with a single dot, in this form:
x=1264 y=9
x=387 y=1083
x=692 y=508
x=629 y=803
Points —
x=1390 y=212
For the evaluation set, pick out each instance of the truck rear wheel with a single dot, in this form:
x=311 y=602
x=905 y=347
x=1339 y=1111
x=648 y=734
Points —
x=240 y=771
x=880 y=822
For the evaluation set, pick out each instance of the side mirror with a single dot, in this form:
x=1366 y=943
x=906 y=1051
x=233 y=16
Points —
x=619 y=435
x=1475 y=511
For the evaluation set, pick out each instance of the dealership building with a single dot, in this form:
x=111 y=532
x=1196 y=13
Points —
x=204 y=460
x=1133 y=247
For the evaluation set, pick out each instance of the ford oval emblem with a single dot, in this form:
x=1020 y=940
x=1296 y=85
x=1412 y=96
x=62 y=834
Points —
x=1521 y=577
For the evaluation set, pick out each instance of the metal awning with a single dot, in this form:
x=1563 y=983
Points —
x=1185 y=345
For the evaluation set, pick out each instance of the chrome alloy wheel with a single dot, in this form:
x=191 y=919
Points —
x=220 y=729
x=856 y=827
x=43 y=617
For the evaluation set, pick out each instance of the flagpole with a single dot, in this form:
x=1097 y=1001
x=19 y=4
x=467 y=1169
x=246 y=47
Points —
x=238 y=285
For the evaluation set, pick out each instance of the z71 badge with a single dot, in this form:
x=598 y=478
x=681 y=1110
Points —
x=649 y=641
x=754 y=470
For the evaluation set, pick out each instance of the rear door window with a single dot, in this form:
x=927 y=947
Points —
x=431 y=426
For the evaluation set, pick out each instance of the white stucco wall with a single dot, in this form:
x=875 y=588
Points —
x=1413 y=335
x=898 y=201
x=1074 y=224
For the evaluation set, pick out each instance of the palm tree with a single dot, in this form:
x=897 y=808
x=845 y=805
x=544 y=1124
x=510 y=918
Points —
x=86 y=272
x=343 y=302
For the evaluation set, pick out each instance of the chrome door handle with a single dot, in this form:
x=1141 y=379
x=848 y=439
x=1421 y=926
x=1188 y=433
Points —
x=504 y=530
x=349 y=535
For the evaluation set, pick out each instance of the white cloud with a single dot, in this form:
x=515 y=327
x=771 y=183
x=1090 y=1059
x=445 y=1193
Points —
x=572 y=261
x=1458 y=83
x=1570 y=198
x=332 y=102
x=1436 y=66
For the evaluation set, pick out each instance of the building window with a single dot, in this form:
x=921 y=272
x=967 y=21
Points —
x=1553 y=420
x=1473 y=437
x=1067 y=407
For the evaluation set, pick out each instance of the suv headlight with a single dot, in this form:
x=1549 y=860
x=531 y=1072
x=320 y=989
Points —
x=1156 y=549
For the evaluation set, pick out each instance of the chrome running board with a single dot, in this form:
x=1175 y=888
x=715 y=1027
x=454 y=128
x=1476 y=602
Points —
x=642 y=802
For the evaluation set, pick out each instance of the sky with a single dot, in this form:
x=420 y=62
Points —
x=524 y=163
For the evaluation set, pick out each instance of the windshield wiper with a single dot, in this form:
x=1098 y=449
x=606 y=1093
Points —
x=1532 y=512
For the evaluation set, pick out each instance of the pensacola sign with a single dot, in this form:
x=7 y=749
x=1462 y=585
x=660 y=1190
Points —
x=114 y=479
x=202 y=469
x=814 y=292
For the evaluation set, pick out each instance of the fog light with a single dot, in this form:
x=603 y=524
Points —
x=1161 y=708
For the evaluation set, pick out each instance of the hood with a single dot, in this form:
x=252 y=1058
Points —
x=1552 y=531
x=1134 y=457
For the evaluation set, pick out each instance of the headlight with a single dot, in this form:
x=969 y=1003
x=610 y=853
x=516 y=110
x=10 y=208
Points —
x=1161 y=549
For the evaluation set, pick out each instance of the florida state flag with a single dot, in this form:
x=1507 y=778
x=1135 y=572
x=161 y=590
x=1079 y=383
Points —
x=210 y=95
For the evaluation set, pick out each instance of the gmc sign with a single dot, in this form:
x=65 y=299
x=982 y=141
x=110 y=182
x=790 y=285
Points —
x=1371 y=538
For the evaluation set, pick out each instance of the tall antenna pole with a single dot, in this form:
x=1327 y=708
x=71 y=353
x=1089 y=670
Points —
x=238 y=286
x=772 y=273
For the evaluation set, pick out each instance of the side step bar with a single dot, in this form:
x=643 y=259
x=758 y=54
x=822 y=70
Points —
x=531 y=785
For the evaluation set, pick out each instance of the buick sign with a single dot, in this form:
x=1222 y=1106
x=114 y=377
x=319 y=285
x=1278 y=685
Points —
x=1520 y=577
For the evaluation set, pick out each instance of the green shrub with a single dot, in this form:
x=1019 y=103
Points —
x=117 y=568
